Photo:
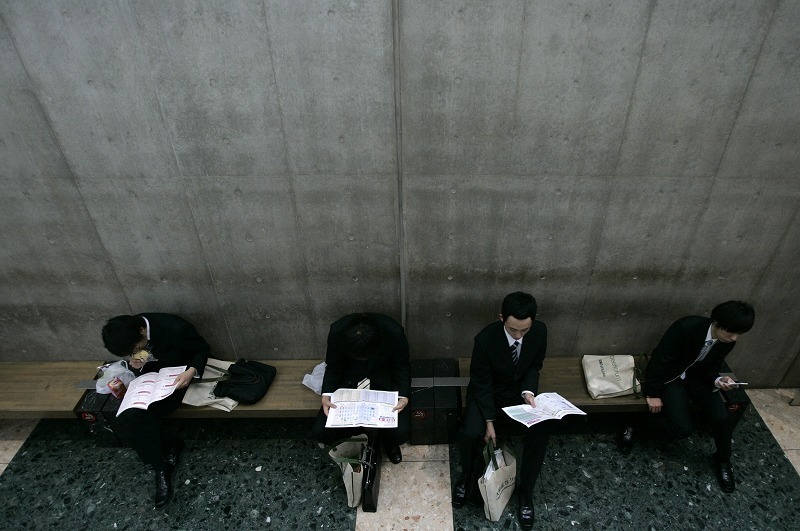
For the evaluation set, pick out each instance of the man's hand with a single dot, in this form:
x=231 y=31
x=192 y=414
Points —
x=655 y=404
x=402 y=402
x=490 y=434
x=726 y=383
x=529 y=399
x=327 y=404
x=136 y=364
x=185 y=378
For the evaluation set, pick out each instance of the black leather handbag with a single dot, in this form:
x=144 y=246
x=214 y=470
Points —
x=244 y=381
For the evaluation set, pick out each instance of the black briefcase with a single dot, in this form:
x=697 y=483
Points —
x=372 y=475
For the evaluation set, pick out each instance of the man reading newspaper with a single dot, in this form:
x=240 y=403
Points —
x=374 y=346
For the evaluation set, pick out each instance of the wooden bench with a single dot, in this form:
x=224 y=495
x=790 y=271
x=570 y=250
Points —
x=48 y=390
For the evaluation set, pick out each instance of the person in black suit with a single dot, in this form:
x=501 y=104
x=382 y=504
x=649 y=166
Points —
x=685 y=368
x=374 y=346
x=506 y=359
x=172 y=341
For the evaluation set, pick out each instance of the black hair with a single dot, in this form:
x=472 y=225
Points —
x=518 y=305
x=736 y=317
x=122 y=333
x=360 y=339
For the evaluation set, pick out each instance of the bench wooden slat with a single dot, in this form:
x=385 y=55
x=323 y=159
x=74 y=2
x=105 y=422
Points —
x=42 y=389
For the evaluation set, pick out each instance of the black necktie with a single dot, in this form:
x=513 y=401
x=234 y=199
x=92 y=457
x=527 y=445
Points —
x=514 y=352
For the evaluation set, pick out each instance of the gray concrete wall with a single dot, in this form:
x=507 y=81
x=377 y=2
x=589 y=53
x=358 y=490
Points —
x=263 y=167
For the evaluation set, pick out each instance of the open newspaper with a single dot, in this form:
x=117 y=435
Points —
x=362 y=407
x=149 y=388
x=549 y=406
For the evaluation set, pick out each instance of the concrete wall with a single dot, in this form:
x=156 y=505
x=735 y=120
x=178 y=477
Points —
x=265 y=167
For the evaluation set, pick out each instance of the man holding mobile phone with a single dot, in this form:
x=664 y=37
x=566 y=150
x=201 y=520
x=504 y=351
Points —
x=685 y=368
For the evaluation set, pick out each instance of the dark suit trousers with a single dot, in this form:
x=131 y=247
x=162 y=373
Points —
x=534 y=445
x=329 y=436
x=141 y=428
x=675 y=419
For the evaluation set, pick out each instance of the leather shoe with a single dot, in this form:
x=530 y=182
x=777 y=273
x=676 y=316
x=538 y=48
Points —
x=163 y=487
x=724 y=473
x=525 y=512
x=393 y=452
x=459 y=493
x=173 y=455
x=625 y=439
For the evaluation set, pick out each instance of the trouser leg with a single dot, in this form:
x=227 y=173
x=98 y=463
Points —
x=534 y=448
x=144 y=433
x=717 y=415
x=675 y=419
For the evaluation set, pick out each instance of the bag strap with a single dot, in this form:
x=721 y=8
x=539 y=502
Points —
x=226 y=375
x=488 y=454
x=351 y=460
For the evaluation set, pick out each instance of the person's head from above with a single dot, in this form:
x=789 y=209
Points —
x=125 y=334
x=361 y=338
x=518 y=313
x=730 y=320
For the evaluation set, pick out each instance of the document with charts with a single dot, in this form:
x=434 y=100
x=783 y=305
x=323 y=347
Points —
x=548 y=406
x=149 y=388
x=363 y=407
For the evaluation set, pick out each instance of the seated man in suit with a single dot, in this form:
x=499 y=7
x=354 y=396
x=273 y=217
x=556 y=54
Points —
x=506 y=360
x=171 y=341
x=374 y=346
x=685 y=367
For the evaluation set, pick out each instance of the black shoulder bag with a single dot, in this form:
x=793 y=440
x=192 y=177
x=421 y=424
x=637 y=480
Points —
x=244 y=381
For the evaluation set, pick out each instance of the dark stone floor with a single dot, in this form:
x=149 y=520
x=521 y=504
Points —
x=266 y=474
x=587 y=484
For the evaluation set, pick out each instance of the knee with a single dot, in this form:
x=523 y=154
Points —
x=681 y=430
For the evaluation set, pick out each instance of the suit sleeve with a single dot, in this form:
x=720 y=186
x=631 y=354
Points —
x=480 y=380
x=530 y=381
x=401 y=366
x=334 y=365
x=194 y=348
x=662 y=363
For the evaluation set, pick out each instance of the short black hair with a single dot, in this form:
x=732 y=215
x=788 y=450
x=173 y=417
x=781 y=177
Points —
x=361 y=337
x=518 y=305
x=121 y=333
x=736 y=317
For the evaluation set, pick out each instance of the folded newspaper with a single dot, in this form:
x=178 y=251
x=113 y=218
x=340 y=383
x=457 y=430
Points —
x=549 y=406
x=362 y=407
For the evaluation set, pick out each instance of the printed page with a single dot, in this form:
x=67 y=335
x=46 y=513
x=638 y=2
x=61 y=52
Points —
x=150 y=387
x=549 y=406
x=365 y=395
x=364 y=408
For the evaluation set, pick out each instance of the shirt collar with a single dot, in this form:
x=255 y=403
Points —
x=511 y=339
x=147 y=326
x=708 y=335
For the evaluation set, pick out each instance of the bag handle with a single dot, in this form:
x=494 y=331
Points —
x=351 y=460
x=488 y=454
x=226 y=375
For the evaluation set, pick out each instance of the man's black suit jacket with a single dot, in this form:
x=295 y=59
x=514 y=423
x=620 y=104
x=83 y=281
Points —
x=389 y=369
x=494 y=380
x=174 y=341
x=678 y=350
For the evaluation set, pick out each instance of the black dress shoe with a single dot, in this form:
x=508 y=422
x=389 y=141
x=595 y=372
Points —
x=724 y=473
x=173 y=455
x=625 y=439
x=525 y=512
x=393 y=452
x=459 y=493
x=163 y=486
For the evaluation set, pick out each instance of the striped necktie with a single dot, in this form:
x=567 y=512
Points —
x=514 y=352
x=705 y=349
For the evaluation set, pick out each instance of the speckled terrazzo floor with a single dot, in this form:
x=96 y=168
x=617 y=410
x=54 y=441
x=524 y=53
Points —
x=259 y=474
x=587 y=484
